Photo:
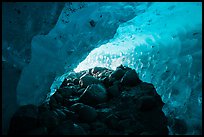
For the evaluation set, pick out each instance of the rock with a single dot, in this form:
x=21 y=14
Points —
x=61 y=114
x=68 y=128
x=117 y=74
x=121 y=67
x=78 y=92
x=103 y=113
x=119 y=104
x=87 y=80
x=98 y=128
x=85 y=126
x=37 y=131
x=68 y=102
x=102 y=74
x=49 y=119
x=58 y=97
x=106 y=82
x=146 y=133
x=112 y=121
x=97 y=69
x=76 y=81
x=70 y=114
x=86 y=113
x=64 y=83
x=92 y=23
x=70 y=84
x=147 y=88
x=114 y=90
x=24 y=119
x=97 y=124
x=43 y=107
x=67 y=91
x=123 y=124
x=130 y=78
x=94 y=94
x=146 y=103
x=53 y=103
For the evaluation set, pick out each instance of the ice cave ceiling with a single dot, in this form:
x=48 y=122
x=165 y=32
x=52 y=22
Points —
x=162 y=41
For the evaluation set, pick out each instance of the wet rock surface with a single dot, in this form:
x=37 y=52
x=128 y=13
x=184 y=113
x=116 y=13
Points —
x=94 y=102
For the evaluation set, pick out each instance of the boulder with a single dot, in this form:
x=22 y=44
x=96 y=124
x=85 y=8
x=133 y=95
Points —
x=58 y=97
x=103 y=113
x=78 y=92
x=24 y=119
x=98 y=128
x=130 y=78
x=86 y=113
x=106 y=82
x=65 y=82
x=68 y=102
x=61 y=114
x=85 y=126
x=87 y=80
x=76 y=81
x=68 y=128
x=146 y=103
x=112 y=121
x=49 y=119
x=117 y=74
x=67 y=91
x=70 y=115
x=97 y=69
x=37 y=131
x=53 y=102
x=114 y=90
x=93 y=95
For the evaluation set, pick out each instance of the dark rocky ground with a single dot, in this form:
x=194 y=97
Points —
x=96 y=101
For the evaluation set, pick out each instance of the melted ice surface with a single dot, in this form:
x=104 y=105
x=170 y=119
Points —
x=164 y=45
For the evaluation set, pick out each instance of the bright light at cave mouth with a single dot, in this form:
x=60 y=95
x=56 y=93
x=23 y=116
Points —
x=115 y=53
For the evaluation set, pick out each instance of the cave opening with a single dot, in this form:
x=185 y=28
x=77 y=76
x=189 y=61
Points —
x=161 y=41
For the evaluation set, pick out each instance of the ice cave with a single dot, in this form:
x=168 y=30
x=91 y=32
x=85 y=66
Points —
x=108 y=68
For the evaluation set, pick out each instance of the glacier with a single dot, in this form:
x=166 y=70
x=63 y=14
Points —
x=162 y=41
x=164 y=46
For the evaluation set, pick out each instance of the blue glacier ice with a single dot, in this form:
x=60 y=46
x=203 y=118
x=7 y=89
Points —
x=164 y=46
x=162 y=41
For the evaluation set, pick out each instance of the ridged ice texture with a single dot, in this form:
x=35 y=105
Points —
x=69 y=42
x=164 y=45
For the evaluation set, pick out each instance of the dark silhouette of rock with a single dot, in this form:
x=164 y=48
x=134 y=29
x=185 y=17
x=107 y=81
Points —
x=67 y=91
x=94 y=94
x=76 y=81
x=146 y=103
x=87 y=80
x=114 y=90
x=86 y=113
x=49 y=119
x=130 y=78
x=117 y=74
x=68 y=128
x=103 y=101
x=37 y=131
x=24 y=119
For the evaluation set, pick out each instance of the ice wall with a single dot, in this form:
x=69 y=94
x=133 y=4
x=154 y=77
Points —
x=164 y=45
x=162 y=41
x=81 y=27
x=19 y=25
